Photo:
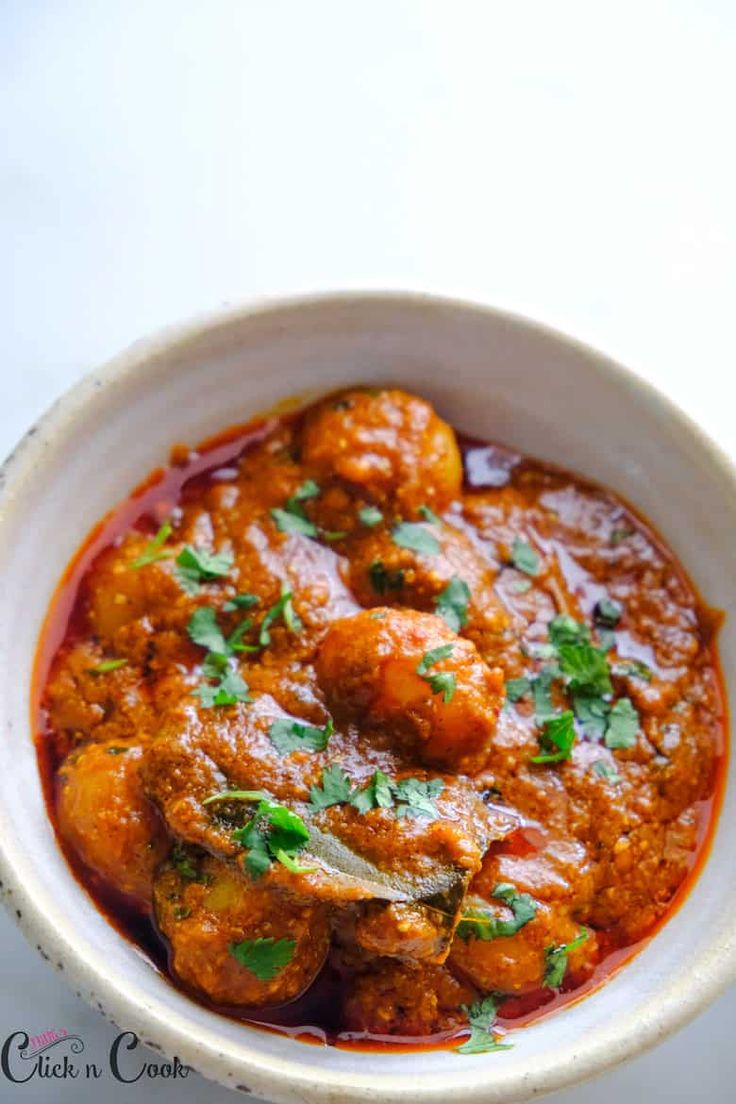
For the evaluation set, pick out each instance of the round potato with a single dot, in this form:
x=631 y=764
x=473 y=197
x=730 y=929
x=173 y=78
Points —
x=107 y=819
x=237 y=943
x=409 y=672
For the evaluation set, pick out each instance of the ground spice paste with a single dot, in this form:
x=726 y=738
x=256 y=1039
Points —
x=374 y=735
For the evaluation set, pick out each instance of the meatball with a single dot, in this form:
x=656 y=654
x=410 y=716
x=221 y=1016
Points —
x=404 y=998
x=410 y=672
x=106 y=818
x=389 y=445
x=208 y=908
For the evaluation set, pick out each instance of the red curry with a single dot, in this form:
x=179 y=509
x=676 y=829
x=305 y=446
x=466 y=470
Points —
x=367 y=732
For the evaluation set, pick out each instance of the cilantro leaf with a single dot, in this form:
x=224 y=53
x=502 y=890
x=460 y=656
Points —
x=607 y=613
x=204 y=630
x=586 y=668
x=606 y=771
x=452 y=603
x=592 y=712
x=481 y=924
x=282 y=608
x=524 y=558
x=415 y=797
x=240 y=601
x=557 y=739
x=564 y=629
x=442 y=682
x=378 y=794
x=370 y=516
x=292 y=518
x=264 y=958
x=544 y=709
x=555 y=960
x=623 y=725
x=197 y=565
x=335 y=789
x=274 y=832
x=383 y=580
x=288 y=522
x=230 y=690
x=153 y=550
x=481 y=1017
x=429 y=515
x=287 y=735
x=308 y=489
x=415 y=537
x=287 y=859
x=434 y=655
x=106 y=665
x=632 y=668
x=518 y=688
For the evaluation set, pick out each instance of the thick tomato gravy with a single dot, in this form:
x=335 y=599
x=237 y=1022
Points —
x=481 y=691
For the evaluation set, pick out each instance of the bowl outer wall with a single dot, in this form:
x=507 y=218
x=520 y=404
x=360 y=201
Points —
x=491 y=374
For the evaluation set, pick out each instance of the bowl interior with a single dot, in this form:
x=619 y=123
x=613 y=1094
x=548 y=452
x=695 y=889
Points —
x=492 y=376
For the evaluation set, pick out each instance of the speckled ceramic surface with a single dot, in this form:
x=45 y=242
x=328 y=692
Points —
x=492 y=375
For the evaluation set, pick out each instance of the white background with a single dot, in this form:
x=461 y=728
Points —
x=573 y=161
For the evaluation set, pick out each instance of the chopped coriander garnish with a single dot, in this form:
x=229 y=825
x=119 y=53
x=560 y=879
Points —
x=378 y=794
x=524 y=558
x=481 y=1017
x=153 y=550
x=544 y=709
x=521 y=586
x=181 y=912
x=287 y=735
x=308 y=489
x=335 y=788
x=383 y=580
x=106 y=665
x=623 y=725
x=240 y=601
x=586 y=668
x=282 y=608
x=429 y=515
x=555 y=960
x=230 y=690
x=370 y=516
x=452 y=603
x=632 y=668
x=264 y=958
x=114 y=750
x=204 y=630
x=415 y=797
x=273 y=833
x=410 y=797
x=518 y=688
x=442 y=682
x=414 y=536
x=557 y=739
x=564 y=629
x=481 y=924
x=288 y=522
x=197 y=565
x=606 y=771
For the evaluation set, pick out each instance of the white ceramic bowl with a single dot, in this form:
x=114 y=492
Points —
x=492 y=375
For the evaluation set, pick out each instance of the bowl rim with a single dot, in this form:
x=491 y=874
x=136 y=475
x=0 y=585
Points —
x=278 y=1078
